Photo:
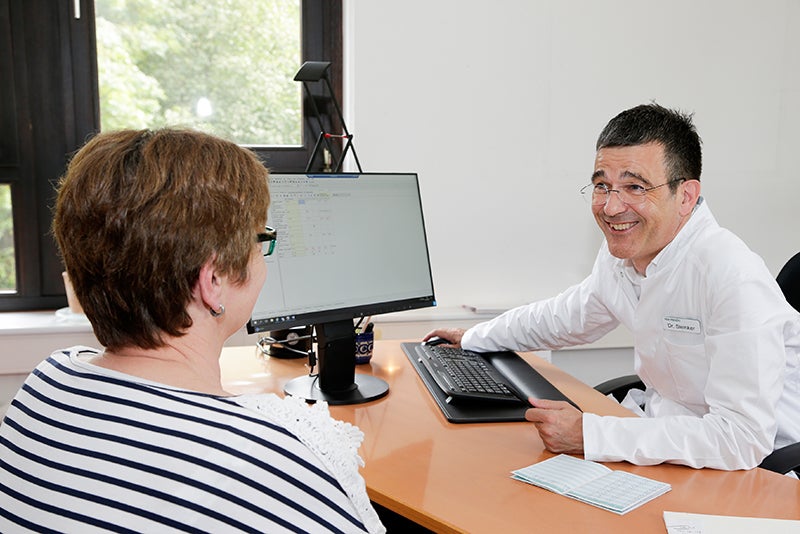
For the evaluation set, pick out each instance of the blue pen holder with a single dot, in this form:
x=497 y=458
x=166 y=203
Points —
x=364 y=343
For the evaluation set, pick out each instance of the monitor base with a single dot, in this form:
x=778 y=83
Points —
x=365 y=388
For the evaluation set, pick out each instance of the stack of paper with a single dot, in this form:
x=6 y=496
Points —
x=592 y=483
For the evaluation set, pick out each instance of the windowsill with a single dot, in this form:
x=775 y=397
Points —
x=29 y=337
x=55 y=322
x=43 y=322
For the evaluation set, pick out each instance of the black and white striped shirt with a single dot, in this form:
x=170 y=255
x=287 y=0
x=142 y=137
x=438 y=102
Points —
x=85 y=449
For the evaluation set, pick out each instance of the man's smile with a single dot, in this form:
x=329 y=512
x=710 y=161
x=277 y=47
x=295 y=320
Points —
x=621 y=227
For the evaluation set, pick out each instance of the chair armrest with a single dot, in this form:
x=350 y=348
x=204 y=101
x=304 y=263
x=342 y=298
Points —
x=618 y=387
x=783 y=460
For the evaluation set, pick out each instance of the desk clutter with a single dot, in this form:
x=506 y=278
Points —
x=298 y=342
x=289 y=343
x=365 y=340
x=592 y=483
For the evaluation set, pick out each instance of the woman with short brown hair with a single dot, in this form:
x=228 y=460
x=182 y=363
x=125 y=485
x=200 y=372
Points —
x=162 y=233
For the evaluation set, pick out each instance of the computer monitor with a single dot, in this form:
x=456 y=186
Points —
x=348 y=246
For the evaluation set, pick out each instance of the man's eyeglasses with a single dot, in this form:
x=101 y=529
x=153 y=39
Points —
x=630 y=194
x=267 y=240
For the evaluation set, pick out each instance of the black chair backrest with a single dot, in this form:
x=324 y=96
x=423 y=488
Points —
x=789 y=280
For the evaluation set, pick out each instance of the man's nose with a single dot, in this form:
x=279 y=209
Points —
x=614 y=204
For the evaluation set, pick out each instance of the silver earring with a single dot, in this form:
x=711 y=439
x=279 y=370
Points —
x=215 y=313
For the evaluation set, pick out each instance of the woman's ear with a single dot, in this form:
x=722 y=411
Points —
x=209 y=286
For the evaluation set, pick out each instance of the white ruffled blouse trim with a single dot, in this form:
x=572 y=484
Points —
x=334 y=442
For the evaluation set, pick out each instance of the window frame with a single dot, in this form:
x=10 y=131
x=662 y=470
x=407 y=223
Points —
x=53 y=92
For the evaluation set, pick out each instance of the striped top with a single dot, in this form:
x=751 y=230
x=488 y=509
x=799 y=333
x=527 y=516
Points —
x=86 y=449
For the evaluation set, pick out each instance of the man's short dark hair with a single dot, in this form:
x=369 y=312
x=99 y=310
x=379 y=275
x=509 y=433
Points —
x=652 y=123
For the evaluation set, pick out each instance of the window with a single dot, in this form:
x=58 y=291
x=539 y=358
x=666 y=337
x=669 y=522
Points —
x=62 y=88
x=223 y=66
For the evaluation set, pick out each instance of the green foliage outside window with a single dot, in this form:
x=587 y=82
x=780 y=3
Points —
x=8 y=273
x=223 y=66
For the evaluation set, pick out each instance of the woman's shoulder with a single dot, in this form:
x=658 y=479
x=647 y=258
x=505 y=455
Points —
x=310 y=423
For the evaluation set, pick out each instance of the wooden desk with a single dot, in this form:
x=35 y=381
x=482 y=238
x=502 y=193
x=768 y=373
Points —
x=455 y=478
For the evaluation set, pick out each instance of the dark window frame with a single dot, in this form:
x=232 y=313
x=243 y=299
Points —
x=49 y=83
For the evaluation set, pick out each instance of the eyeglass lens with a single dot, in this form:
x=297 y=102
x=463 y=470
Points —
x=630 y=194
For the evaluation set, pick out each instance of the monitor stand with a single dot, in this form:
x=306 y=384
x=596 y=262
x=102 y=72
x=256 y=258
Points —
x=337 y=381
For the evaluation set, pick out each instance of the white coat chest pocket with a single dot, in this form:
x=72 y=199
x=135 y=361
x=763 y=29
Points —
x=685 y=357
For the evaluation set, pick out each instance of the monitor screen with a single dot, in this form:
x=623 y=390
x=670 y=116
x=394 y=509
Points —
x=348 y=245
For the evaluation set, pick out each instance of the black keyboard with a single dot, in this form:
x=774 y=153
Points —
x=463 y=374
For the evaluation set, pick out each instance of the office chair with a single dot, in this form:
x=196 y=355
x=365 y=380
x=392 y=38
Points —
x=780 y=460
x=789 y=281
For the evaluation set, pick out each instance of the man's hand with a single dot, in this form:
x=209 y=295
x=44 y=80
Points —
x=560 y=425
x=452 y=335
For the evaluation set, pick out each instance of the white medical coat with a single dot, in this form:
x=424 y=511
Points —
x=715 y=342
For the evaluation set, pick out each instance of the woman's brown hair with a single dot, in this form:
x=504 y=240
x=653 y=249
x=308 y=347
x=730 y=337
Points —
x=138 y=214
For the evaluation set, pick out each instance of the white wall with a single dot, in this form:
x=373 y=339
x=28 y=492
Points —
x=497 y=106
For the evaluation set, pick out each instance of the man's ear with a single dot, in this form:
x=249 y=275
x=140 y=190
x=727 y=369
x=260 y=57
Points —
x=209 y=286
x=690 y=192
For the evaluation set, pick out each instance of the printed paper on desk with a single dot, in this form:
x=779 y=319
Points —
x=685 y=523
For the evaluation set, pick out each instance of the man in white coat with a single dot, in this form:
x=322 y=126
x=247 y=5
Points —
x=715 y=342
